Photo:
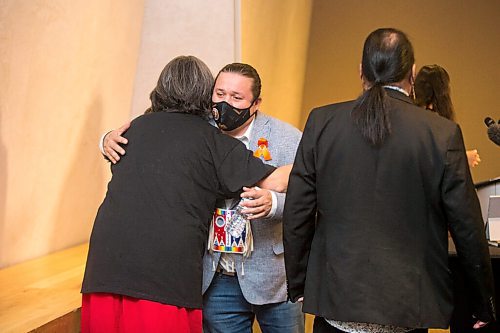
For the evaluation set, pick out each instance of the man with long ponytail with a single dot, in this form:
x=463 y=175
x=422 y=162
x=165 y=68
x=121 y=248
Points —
x=381 y=69
x=376 y=186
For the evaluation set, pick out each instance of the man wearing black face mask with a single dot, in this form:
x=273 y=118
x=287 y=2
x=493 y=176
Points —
x=228 y=117
x=241 y=287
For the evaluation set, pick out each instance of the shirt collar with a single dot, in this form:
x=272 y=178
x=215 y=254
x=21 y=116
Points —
x=401 y=90
x=245 y=137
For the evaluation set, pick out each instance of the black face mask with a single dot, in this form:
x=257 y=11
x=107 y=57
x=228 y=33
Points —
x=228 y=117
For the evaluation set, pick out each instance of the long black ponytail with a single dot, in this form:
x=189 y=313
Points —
x=387 y=58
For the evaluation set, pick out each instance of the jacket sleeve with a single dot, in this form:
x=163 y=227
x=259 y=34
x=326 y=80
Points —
x=300 y=214
x=287 y=139
x=466 y=227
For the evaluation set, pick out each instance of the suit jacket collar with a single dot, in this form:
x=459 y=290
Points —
x=261 y=129
x=399 y=95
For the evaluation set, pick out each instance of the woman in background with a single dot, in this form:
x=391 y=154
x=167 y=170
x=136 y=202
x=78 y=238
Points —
x=432 y=91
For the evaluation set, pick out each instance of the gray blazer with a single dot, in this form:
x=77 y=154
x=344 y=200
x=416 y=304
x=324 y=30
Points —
x=262 y=275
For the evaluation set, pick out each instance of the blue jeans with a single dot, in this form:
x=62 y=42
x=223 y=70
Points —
x=226 y=310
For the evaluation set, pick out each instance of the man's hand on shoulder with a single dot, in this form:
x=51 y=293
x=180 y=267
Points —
x=111 y=143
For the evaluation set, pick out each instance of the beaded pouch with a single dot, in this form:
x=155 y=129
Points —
x=220 y=240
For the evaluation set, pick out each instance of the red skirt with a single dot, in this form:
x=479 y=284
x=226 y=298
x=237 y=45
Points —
x=108 y=313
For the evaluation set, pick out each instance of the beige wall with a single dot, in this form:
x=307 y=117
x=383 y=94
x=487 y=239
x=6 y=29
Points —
x=274 y=39
x=462 y=36
x=66 y=71
x=308 y=54
x=70 y=70
x=172 y=28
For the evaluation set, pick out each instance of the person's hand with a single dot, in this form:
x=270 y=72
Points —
x=473 y=158
x=260 y=205
x=111 y=144
x=479 y=324
x=300 y=299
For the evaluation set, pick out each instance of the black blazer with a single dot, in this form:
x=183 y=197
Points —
x=151 y=230
x=366 y=229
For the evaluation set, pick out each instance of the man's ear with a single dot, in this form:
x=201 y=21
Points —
x=364 y=84
x=413 y=74
x=257 y=103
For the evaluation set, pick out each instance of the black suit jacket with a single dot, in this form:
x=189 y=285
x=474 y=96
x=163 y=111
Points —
x=151 y=230
x=366 y=229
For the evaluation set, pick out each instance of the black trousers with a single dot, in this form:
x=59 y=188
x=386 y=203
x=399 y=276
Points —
x=321 y=326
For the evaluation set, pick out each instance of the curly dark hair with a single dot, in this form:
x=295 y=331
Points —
x=184 y=85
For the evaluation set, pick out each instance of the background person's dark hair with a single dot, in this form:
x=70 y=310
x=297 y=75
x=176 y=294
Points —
x=184 y=85
x=387 y=58
x=247 y=71
x=432 y=87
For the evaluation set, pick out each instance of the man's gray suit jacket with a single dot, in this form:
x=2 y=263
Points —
x=262 y=275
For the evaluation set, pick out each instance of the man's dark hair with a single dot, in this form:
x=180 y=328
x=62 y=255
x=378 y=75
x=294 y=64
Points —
x=387 y=58
x=246 y=71
x=185 y=85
